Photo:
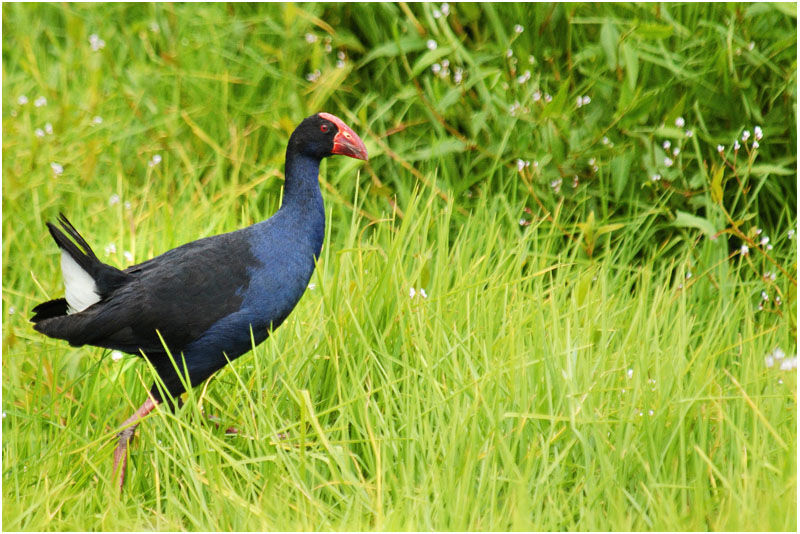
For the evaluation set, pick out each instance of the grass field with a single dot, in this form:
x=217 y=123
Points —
x=605 y=339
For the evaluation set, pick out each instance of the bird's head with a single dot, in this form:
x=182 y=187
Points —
x=324 y=135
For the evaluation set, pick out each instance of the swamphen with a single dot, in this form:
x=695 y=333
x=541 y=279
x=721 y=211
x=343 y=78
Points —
x=206 y=297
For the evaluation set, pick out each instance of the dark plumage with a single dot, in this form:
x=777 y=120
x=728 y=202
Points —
x=205 y=297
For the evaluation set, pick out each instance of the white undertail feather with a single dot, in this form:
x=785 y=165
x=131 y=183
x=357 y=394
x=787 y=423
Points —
x=80 y=288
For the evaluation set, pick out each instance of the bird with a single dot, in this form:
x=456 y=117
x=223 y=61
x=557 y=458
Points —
x=206 y=302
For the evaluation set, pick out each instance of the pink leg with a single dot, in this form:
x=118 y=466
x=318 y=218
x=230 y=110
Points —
x=129 y=429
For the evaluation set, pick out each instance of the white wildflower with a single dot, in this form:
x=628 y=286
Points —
x=431 y=44
x=751 y=45
x=764 y=295
x=629 y=373
x=736 y=145
x=128 y=255
x=680 y=122
x=676 y=151
x=436 y=68
x=97 y=120
x=769 y=360
x=509 y=53
x=650 y=412
x=113 y=199
x=556 y=185
x=745 y=250
x=755 y=144
x=412 y=292
x=445 y=9
x=666 y=144
x=96 y=43
x=110 y=249
x=790 y=234
x=340 y=63
x=689 y=133
x=656 y=177
x=127 y=204
x=720 y=149
x=423 y=293
x=668 y=162
x=312 y=286
x=437 y=13
x=57 y=169
x=520 y=165
x=40 y=101
x=548 y=97
x=764 y=241
x=22 y=100
x=525 y=77
x=789 y=363
x=48 y=128
x=537 y=95
x=156 y=159
x=116 y=355
x=458 y=75
x=518 y=28
x=758 y=133
x=39 y=132
x=745 y=135
x=311 y=38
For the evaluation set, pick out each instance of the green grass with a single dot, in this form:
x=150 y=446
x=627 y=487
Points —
x=600 y=366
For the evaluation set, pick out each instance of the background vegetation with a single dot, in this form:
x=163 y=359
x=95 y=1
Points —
x=559 y=296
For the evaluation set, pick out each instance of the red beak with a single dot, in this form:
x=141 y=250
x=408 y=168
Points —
x=346 y=142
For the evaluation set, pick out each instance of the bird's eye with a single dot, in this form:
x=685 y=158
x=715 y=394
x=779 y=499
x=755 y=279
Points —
x=323 y=128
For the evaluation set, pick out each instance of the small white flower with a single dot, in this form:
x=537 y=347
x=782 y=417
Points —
x=736 y=145
x=509 y=53
x=328 y=48
x=40 y=101
x=312 y=286
x=668 y=162
x=431 y=44
x=751 y=45
x=437 y=13
x=531 y=60
x=110 y=249
x=586 y=100
x=688 y=274
x=445 y=63
x=790 y=234
x=340 y=64
x=537 y=95
x=525 y=77
x=778 y=353
x=650 y=412
x=745 y=135
x=676 y=151
x=412 y=292
x=656 y=177
x=57 y=169
x=523 y=222
x=458 y=75
x=689 y=133
x=764 y=241
x=39 y=132
x=341 y=55
x=556 y=185
x=313 y=76
x=666 y=144
x=127 y=255
x=548 y=98
x=605 y=140
x=789 y=363
x=156 y=159
x=641 y=414
x=96 y=43
x=12 y=310
x=4 y=414
x=769 y=361
x=311 y=38
x=445 y=9
x=113 y=199
x=758 y=133
x=680 y=122
x=720 y=149
x=423 y=293
x=576 y=182
x=22 y=100
x=520 y=165
x=127 y=205
x=518 y=28
x=745 y=250
x=514 y=108
x=629 y=373
x=48 y=128
x=154 y=27
x=755 y=144
x=116 y=355
x=436 y=68
x=758 y=231
x=764 y=295
x=592 y=161
x=579 y=101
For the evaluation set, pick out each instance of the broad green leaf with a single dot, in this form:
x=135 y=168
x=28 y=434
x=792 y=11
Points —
x=687 y=220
